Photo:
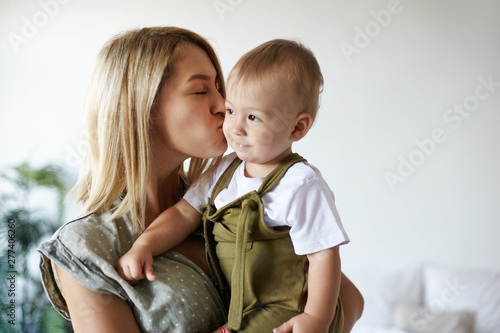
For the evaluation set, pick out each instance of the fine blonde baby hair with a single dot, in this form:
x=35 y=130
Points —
x=289 y=65
x=129 y=73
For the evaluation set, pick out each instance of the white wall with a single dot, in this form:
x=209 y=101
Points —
x=402 y=84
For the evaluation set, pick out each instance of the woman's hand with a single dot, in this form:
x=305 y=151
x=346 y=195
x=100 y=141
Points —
x=136 y=264
x=304 y=322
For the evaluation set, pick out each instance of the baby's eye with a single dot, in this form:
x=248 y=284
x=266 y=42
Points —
x=253 y=118
x=230 y=111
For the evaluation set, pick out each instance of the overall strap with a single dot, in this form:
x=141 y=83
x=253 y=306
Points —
x=208 y=226
x=274 y=177
x=249 y=212
x=269 y=181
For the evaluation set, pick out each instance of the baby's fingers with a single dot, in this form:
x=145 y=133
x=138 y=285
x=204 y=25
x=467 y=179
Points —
x=120 y=271
x=136 y=272
x=148 y=270
x=285 y=327
x=124 y=272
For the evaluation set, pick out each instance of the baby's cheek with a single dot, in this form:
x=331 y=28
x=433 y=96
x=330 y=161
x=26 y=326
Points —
x=264 y=137
x=278 y=124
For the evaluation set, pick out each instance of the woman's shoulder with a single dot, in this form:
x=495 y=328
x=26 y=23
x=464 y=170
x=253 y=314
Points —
x=92 y=225
x=93 y=234
x=81 y=225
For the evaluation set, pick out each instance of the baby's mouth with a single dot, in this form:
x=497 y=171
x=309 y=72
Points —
x=240 y=145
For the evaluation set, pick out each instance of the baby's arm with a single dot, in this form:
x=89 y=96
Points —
x=323 y=292
x=169 y=229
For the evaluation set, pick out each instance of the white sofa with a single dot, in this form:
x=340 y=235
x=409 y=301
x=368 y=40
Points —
x=427 y=299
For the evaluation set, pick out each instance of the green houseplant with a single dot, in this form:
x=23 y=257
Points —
x=25 y=308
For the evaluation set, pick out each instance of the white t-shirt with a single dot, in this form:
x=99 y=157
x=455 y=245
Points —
x=301 y=200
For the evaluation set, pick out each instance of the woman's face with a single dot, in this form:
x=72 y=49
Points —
x=188 y=115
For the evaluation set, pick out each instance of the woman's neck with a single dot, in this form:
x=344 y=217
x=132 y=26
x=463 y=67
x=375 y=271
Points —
x=162 y=193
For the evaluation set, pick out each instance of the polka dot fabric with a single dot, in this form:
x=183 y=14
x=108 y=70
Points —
x=182 y=299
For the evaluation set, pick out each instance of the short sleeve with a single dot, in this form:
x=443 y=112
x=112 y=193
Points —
x=87 y=250
x=313 y=217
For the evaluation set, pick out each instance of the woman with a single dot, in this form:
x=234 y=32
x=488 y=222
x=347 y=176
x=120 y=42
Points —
x=156 y=100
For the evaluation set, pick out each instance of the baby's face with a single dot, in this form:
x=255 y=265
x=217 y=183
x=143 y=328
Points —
x=258 y=125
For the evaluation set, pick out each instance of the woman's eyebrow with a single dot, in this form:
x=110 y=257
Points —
x=199 y=76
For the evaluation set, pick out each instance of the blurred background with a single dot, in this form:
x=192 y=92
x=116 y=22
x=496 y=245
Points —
x=407 y=134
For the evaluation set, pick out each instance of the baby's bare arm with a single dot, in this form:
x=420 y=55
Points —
x=323 y=292
x=324 y=284
x=169 y=229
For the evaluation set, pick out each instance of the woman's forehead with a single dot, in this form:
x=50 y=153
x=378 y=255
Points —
x=193 y=63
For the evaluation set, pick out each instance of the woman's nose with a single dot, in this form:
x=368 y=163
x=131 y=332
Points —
x=218 y=106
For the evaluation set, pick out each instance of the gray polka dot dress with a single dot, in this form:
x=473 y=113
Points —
x=182 y=299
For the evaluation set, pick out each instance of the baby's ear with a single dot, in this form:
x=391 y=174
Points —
x=303 y=123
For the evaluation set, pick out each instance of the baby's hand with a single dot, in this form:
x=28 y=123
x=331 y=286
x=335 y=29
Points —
x=136 y=264
x=303 y=323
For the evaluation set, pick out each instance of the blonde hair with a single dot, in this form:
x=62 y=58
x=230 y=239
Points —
x=289 y=65
x=130 y=71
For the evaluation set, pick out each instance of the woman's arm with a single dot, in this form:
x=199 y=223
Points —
x=94 y=312
x=352 y=303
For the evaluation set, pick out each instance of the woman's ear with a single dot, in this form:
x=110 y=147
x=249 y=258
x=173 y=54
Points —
x=303 y=123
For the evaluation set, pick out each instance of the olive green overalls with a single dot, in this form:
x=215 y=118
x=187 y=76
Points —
x=266 y=279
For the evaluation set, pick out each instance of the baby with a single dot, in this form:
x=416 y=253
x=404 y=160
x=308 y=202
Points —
x=271 y=226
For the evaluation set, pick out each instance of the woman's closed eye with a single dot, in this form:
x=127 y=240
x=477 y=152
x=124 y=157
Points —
x=203 y=92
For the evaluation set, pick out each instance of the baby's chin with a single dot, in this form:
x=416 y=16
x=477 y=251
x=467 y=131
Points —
x=238 y=153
